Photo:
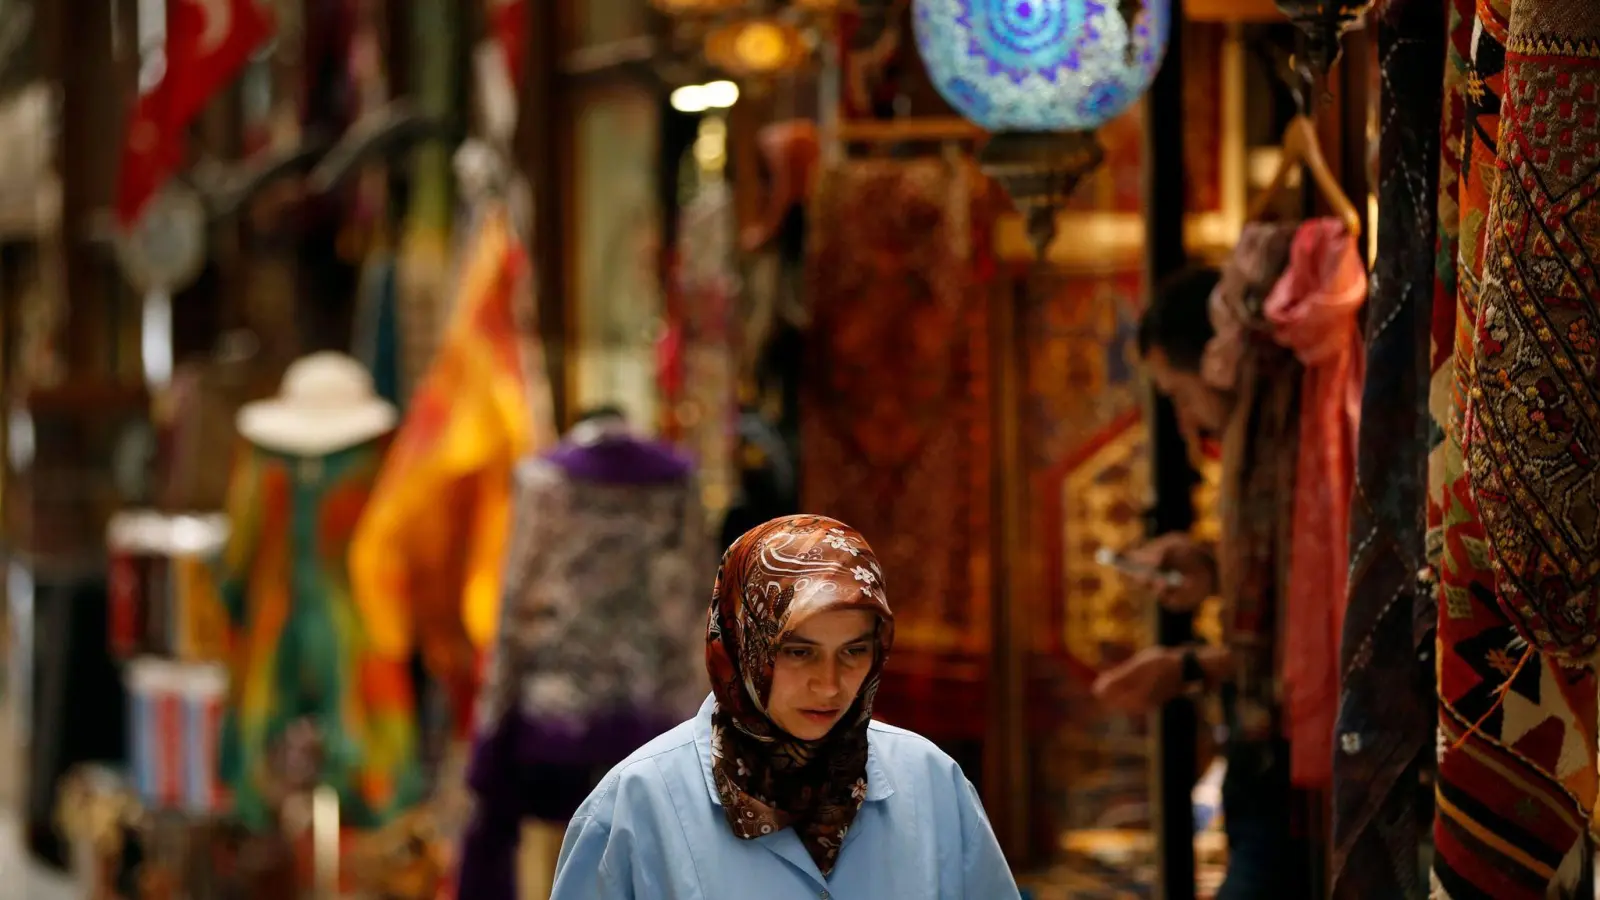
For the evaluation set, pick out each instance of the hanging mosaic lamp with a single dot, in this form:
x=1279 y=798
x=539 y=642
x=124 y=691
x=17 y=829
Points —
x=1041 y=75
x=1324 y=24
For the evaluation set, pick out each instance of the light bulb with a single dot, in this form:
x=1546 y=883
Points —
x=691 y=98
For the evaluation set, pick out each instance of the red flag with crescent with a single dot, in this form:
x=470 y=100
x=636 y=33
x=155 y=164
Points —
x=508 y=22
x=208 y=42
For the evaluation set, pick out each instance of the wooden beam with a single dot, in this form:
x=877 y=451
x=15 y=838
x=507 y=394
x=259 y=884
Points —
x=629 y=52
x=1232 y=11
x=927 y=129
x=1107 y=242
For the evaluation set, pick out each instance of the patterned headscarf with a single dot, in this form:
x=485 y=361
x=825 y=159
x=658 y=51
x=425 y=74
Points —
x=773 y=579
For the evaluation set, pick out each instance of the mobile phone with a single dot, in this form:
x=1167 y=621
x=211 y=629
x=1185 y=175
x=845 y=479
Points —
x=1111 y=559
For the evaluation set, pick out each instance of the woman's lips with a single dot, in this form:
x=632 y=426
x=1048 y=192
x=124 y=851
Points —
x=820 y=715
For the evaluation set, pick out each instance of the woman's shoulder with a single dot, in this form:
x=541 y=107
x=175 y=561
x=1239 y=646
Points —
x=904 y=751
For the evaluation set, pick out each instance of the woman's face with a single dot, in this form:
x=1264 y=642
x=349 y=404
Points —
x=819 y=671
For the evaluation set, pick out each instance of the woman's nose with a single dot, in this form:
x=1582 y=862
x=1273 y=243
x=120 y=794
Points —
x=827 y=678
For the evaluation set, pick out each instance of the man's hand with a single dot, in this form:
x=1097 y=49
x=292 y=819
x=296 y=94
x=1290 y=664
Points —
x=1180 y=553
x=1149 y=679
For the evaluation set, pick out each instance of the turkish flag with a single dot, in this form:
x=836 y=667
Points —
x=508 y=20
x=208 y=42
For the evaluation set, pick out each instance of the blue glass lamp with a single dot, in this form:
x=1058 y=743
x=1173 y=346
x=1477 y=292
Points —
x=1041 y=65
x=1041 y=75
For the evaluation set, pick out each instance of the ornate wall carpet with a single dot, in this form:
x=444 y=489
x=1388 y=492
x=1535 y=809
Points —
x=1204 y=88
x=1087 y=457
x=1452 y=146
x=895 y=410
x=1382 y=733
x=1533 y=431
x=1517 y=694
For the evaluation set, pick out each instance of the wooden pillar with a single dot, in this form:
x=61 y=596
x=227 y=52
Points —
x=1007 y=793
x=539 y=145
x=75 y=40
x=1174 y=479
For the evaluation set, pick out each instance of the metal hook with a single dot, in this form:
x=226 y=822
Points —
x=1297 y=77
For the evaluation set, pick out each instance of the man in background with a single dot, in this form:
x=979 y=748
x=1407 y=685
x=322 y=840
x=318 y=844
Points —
x=1269 y=849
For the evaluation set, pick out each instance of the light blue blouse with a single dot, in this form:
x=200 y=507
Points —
x=654 y=830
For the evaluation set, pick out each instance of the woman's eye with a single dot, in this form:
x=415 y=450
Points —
x=797 y=652
x=857 y=652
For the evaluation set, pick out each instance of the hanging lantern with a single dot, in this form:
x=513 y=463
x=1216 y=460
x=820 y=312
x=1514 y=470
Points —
x=753 y=38
x=1040 y=65
x=758 y=47
x=1324 y=24
x=1042 y=75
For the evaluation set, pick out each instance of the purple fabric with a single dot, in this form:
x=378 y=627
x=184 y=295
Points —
x=524 y=743
x=487 y=869
x=529 y=768
x=622 y=460
x=535 y=767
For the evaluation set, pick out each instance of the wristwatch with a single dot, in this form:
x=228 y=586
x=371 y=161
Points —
x=1193 y=677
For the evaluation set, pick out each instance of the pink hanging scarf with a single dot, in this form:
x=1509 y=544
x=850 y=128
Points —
x=1312 y=310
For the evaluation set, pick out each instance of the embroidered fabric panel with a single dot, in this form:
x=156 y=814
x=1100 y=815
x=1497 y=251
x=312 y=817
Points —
x=1533 y=440
x=1516 y=726
x=1382 y=734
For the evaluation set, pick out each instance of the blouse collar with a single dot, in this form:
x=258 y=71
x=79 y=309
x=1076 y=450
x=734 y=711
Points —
x=879 y=787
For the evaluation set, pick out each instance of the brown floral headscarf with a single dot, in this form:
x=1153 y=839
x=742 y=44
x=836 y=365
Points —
x=772 y=579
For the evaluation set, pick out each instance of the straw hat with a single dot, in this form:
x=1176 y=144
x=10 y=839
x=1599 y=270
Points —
x=326 y=403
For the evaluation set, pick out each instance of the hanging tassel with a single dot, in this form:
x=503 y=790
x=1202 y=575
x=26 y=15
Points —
x=1499 y=698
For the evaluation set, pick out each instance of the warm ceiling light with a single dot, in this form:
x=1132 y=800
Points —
x=760 y=46
x=690 y=98
x=756 y=47
x=721 y=94
x=697 y=98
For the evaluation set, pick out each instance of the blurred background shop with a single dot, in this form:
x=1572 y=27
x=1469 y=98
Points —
x=321 y=318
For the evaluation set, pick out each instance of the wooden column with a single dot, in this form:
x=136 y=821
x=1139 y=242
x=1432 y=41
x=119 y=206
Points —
x=1007 y=792
x=75 y=43
x=1174 y=762
x=539 y=148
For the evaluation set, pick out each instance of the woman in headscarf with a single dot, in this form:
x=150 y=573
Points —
x=782 y=783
